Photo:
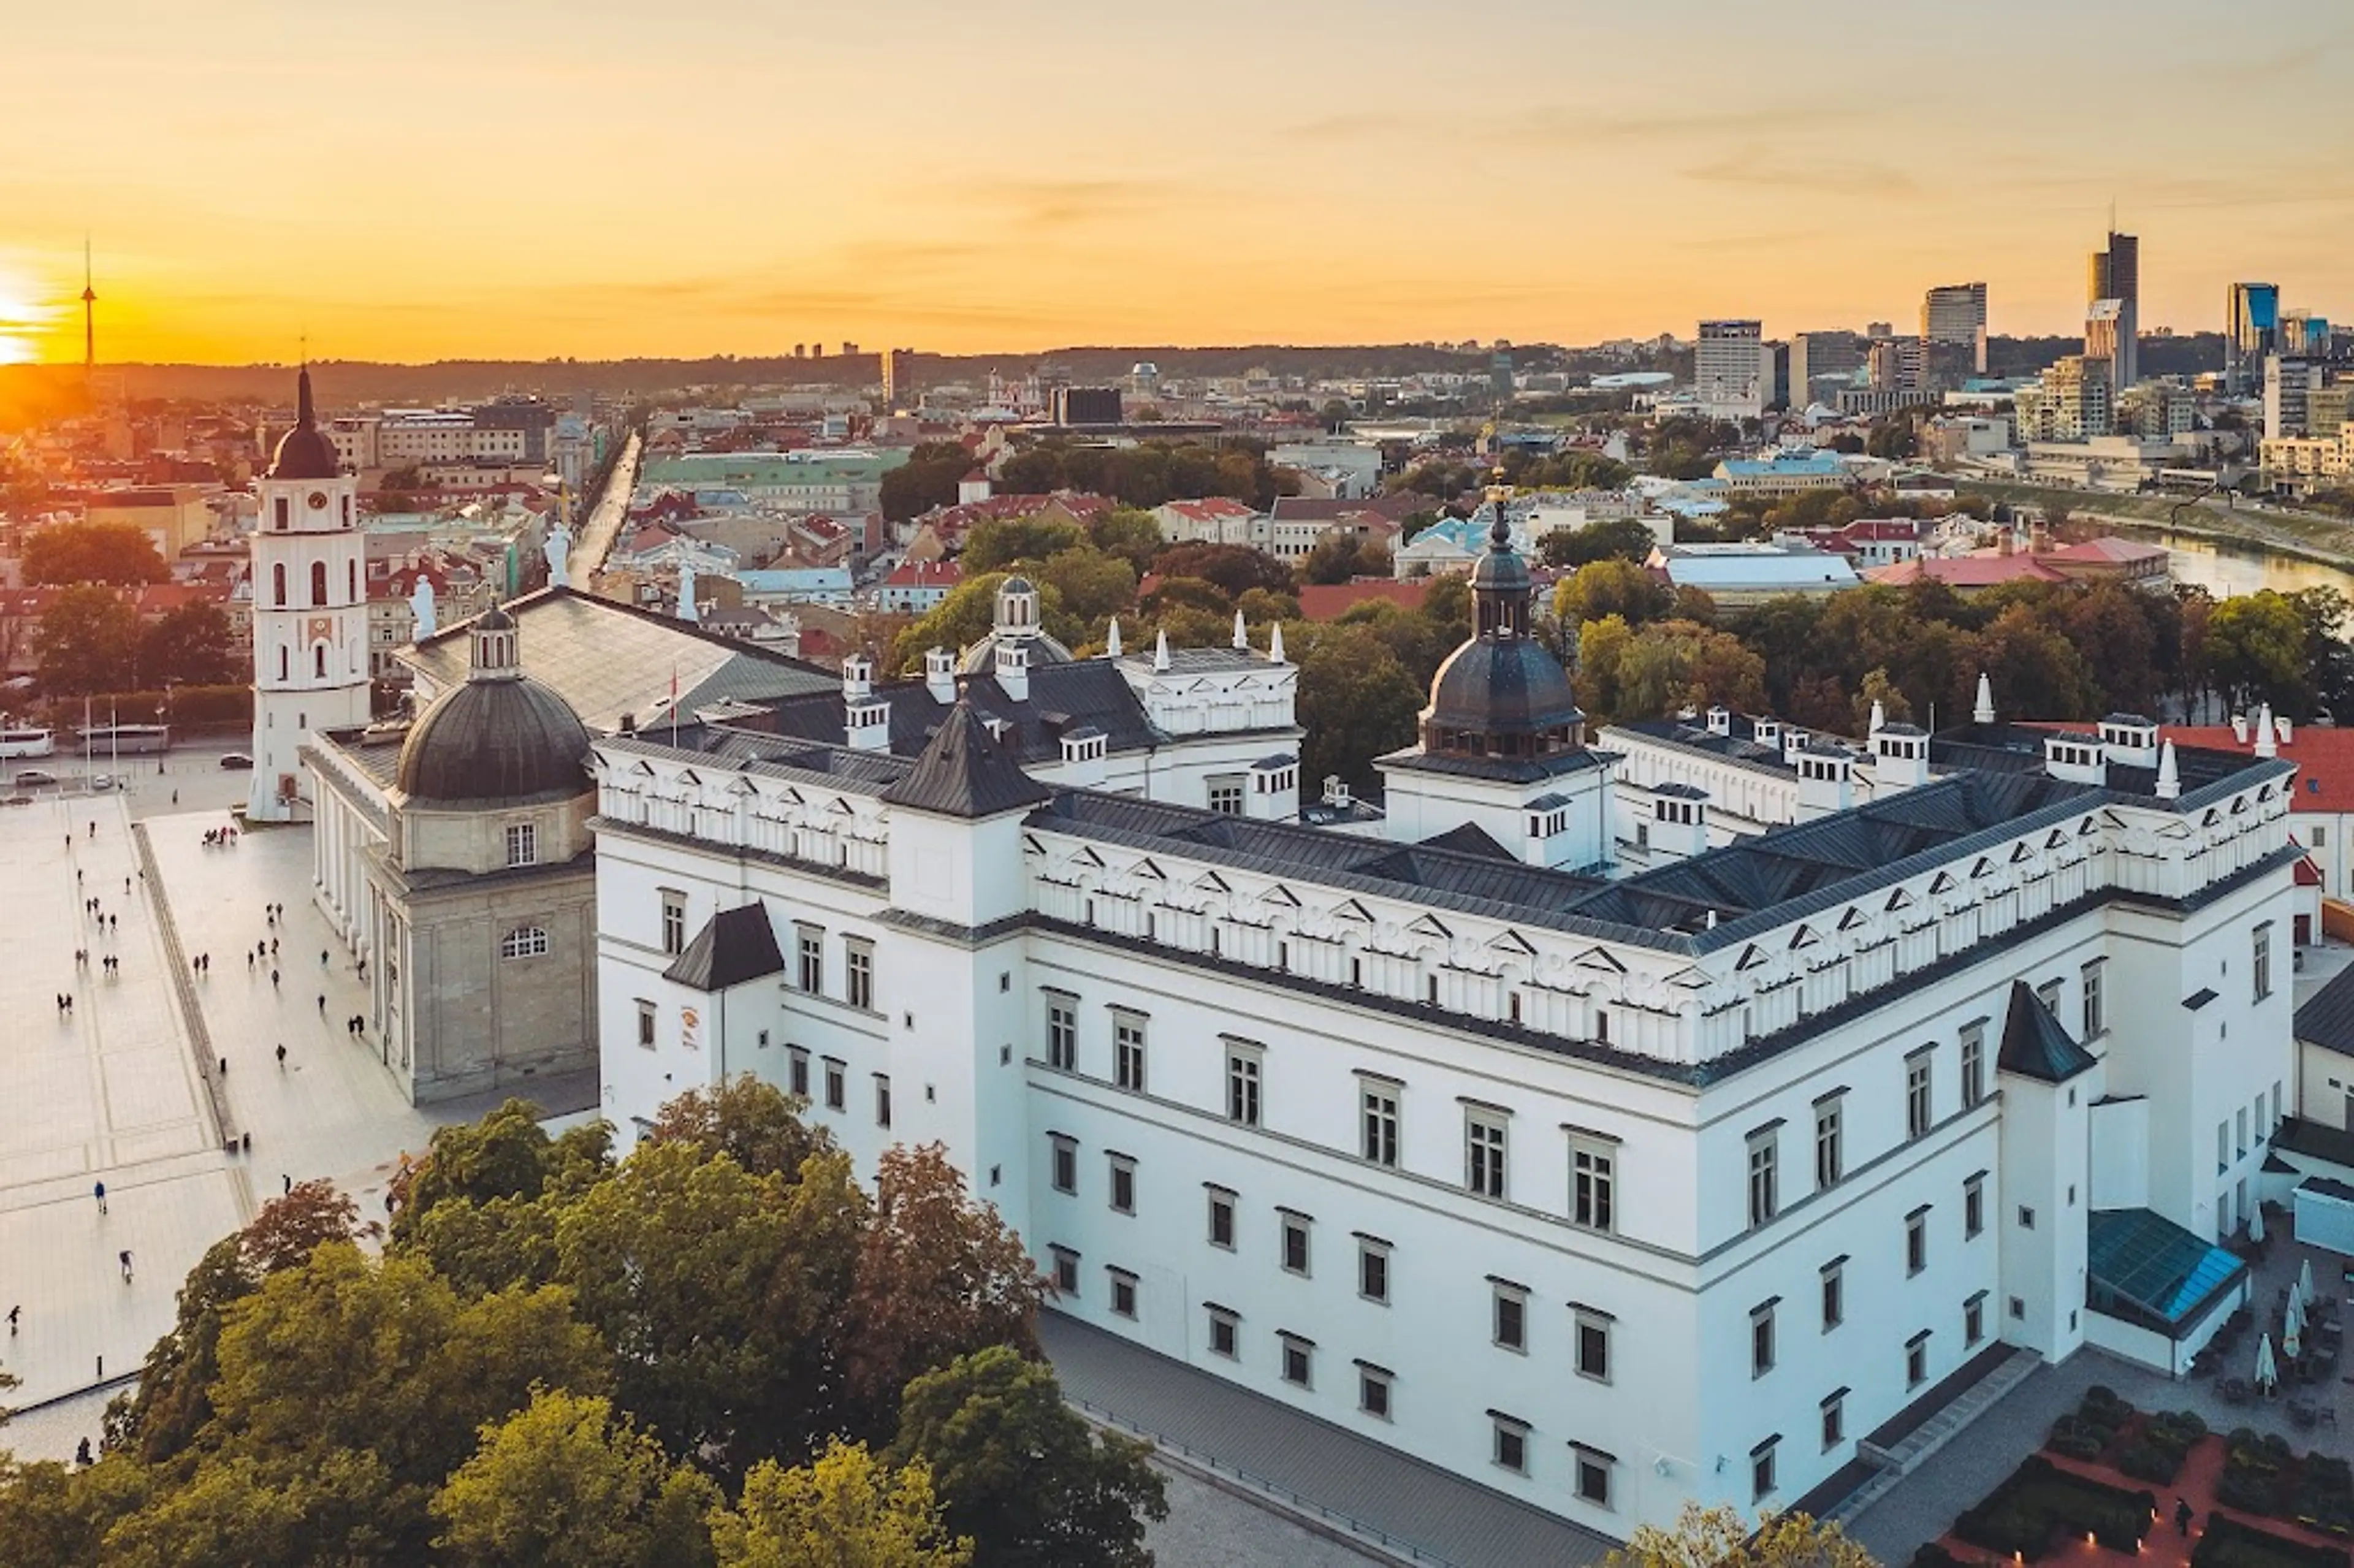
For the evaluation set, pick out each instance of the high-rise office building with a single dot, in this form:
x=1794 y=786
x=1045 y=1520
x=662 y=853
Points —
x=2115 y=274
x=1956 y=314
x=2106 y=338
x=2304 y=335
x=2289 y=386
x=1822 y=356
x=2251 y=334
x=1733 y=370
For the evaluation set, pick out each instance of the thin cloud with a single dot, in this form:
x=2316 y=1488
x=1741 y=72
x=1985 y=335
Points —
x=1826 y=174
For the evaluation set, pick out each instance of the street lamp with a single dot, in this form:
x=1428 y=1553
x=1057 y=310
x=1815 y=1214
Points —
x=164 y=717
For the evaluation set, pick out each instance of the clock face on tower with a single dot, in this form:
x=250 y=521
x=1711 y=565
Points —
x=316 y=500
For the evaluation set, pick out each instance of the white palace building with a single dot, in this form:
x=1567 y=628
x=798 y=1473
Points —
x=1541 y=1127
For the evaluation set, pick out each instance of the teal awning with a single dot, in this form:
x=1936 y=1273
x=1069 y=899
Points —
x=2149 y=1271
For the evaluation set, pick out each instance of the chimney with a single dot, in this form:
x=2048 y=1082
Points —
x=2076 y=757
x=1879 y=718
x=1900 y=758
x=2286 y=732
x=2267 y=738
x=1161 y=652
x=857 y=678
x=940 y=676
x=1336 y=791
x=1720 y=721
x=1013 y=670
x=1679 y=822
x=1793 y=741
x=1825 y=781
x=2240 y=729
x=868 y=725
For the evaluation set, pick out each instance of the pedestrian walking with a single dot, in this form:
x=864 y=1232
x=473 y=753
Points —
x=322 y=1004
x=224 y=1061
x=323 y=958
x=93 y=827
x=245 y=1141
x=281 y=1056
x=126 y=1255
x=81 y=1452
x=273 y=979
x=114 y=922
x=175 y=797
x=2183 y=1515
x=77 y=871
x=290 y=1184
x=248 y=963
x=68 y=1003
x=126 y=884
x=273 y=947
x=13 y=1313
x=99 y=1191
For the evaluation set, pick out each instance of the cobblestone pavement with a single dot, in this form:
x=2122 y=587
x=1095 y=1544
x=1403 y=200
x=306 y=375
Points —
x=112 y=1091
x=1210 y=1528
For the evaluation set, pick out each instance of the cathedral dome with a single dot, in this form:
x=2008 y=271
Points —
x=304 y=451
x=502 y=738
x=1501 y=693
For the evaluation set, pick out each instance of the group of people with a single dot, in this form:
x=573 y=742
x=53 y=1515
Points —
x=219 y=838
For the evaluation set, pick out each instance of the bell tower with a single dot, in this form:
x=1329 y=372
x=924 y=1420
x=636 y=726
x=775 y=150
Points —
x=310 y=609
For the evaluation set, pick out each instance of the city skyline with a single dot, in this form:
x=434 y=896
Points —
x=983 y=183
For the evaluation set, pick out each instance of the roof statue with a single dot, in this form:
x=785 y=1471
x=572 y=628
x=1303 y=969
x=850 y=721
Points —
x=1111 y=639
x=1241 y=633
x=1984 y=712
x=421 y=604
x=686 y=610
x=558 y=550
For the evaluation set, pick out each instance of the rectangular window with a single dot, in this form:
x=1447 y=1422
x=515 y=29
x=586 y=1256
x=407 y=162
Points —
x=1592 y=1176
x=2026 y=1218
x=523 y=844
x=1123 y=1291
x=2223 y=1144
x=1242 y=1064
x=1512 y=1439
x=1916 y=1360
x=1593 y=1475
x=1374 y=1391
x=1592 y=1343
x=1373 y=1269
x=1510 y=1319
x=646 y=1024
x=858 y=973
x=1062 y=1035
x=1834 y=1420
x=2240 y=1145
x=1221 y=1218
x=1381 y=1106
x=1483 y=1153
x=1834 y=1294
x=1223 y=1332
x=1974 y=1318
x=812 y=943
x=1764 y=1198
x=1760 y=1340
x=1916 y=1241
x=1917 y=1109
x=1064 y=1164
x=1298 y=1365
x=2263 y=941
x=1972 y=1064
x=2096 y=1016
x=1295 y=1243
x=1226 y=794
x=836 y=1093
x=1761 y=1470
x=1123 y=1184
x=1066 y=1270
x=1128 y=1050
x=1973 y=1206
x=1830 y=1154
x=673 y=923
x=881 y=1100
x=800 y=1070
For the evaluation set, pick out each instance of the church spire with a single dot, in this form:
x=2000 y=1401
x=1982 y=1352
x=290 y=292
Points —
x=307 y=412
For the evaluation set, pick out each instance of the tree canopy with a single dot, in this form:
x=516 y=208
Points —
x=117 y=553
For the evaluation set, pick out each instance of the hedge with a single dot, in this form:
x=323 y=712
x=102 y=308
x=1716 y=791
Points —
x=2025 y=1513
x=2229 y=1543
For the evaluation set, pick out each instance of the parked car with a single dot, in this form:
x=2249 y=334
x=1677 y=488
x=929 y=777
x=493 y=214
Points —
x=236 y=760
x=101 y=782
x=34 y=779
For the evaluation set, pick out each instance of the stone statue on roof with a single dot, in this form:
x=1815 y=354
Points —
x=421 y=604
x=686 y=610
x=558 y=550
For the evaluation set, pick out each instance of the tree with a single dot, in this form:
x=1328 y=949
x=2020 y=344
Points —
x=117 y=553
x=1356 y=700
x=189 y=645
x=938 y=1277
x=918 y=485
x=845 y=1510
x=1612 y=586
x=1022 y=1474
x=1627 y=538
x=997 y=545
x=88 y=642
x=1090 y=585
x=1235 y=568
x=507 y=1154
x=1720 y=1538
x=1339 y=558
x=1132 y=535
x=2255 y=650
x=756 y=1124
x=565 y=1483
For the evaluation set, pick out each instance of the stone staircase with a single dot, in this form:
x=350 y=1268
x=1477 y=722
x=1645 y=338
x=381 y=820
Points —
x=1899 y=1459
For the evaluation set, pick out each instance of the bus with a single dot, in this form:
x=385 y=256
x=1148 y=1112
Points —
x=125 y=739
x=27 y=742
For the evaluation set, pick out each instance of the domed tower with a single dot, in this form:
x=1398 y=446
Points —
x=500 y=743
x=1502 y=746
x=310 y=609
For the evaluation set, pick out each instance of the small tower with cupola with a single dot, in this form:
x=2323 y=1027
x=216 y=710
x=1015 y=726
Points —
x=310 y=609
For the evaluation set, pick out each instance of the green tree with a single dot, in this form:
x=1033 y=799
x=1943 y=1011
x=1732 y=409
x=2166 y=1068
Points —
x=843 y=1509
x=1090 y=585
x=2255 y=650
x=1625 y=538
x=1022 y=1474
x=117 y=553
x=997 y=545
x=507 y=1154
x=1612 y=586
x=1132 y=535
x=938 y=1277
x=88 y=642
x=915 y=487
x=1341 y=556
x=1235 y=568
x=1356 y=700
x=565 y=1483
x=1671 y=665
x=188 y=644
x=249 y=1511
x=1720 y=1537
x=1601 y=650
x=756 y=1124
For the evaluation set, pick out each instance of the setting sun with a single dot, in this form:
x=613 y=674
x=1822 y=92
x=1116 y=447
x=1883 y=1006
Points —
x=22 y=319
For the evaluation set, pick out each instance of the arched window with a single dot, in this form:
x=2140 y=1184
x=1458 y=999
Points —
x=523 y=942
x=318 y=660
x=278 y=585
x=318 y=584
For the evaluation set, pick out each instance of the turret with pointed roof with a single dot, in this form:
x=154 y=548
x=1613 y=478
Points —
x=963 y=772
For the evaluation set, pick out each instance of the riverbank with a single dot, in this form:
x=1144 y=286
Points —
x=2311 y=537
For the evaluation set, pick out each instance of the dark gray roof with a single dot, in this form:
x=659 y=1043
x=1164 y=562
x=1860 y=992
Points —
x=1512 y=769
x=2327 y=1019
x=964 y=773
x=2035 y=1044
x=2314 y=1141
x=495 y=742
x=2199 y=999
x=1471 y=839
x=1739 y=745
x=734 y=946
x=1063 y=699
x=2019 y=748
x=304 y=451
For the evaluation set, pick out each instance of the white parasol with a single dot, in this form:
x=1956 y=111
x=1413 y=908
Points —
x=2267 y=1370
x=2305 y=1280
x=2256 y=1223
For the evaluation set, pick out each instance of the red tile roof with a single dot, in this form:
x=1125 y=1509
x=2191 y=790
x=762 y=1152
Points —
x=2324 y=758
x=1967 y=571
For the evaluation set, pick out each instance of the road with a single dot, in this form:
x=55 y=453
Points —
x=188 y=777
x=604 y=524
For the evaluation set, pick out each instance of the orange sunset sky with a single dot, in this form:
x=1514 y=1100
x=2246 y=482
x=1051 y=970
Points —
x=522 y=178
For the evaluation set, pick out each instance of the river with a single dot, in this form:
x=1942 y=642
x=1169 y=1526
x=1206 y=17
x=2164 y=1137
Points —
x=2225 y=571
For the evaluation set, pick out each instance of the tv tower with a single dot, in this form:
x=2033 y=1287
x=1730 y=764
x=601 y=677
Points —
x=88 y=314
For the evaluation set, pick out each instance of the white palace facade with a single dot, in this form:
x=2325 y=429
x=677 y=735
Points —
x=1612 y=1178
